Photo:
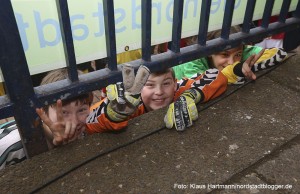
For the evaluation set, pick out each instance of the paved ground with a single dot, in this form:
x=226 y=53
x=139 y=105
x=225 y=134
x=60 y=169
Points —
x=247 y=138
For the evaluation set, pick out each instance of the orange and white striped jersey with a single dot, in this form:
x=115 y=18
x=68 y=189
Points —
x=211 y=84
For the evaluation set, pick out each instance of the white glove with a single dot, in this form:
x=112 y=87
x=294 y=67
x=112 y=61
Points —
x=124 y=97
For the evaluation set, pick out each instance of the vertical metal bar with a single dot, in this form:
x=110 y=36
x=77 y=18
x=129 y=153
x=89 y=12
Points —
x=228 y=13
x=297 y=11
x=284 y=10
x=248 y=16
x=146 y=29
x=67 y=38
x=267 y=13
x=110 y=33
x=177 y=25
x=19 y=86
x=204 y=21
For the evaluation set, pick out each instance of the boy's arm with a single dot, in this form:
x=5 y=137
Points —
x=49 y=136
x=98 y=120
x=11 y=149
x=122 y=103
x=201 y=88
x=189 y=69
x=269 y=58
x=211 y=84
x=124 y=97
x=54 y=132
x=266 y=58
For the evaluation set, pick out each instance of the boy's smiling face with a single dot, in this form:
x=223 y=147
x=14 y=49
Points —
x=73 y=113
x=158 y=91
x=222 y=59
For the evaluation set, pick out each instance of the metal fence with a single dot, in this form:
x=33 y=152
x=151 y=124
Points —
x=22 y=98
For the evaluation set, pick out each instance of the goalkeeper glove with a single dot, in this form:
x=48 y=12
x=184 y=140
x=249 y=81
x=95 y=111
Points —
x=183 y=111
x=124 y=97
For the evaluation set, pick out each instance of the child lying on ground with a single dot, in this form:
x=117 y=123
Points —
x=66 y=123
x=161 y=90
x=220 y=60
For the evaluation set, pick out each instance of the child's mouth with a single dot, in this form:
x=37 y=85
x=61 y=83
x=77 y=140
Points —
x=159 y=100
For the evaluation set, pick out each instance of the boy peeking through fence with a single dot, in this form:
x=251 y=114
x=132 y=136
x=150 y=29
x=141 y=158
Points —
x=162 y=89
x=129 y=99
x=233 y=57
x=68 y=120
x=65 y=120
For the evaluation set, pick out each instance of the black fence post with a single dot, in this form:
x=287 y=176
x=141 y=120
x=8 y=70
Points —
x=110 y=33
x=177 y=25
x=17 y=77
x=146 y=29
x=227 y=20
x=67 y=38
x=204 y=20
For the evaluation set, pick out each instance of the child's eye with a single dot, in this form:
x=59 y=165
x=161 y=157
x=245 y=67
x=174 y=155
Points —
x=82 y=110
x=238 y=55
x=64 y=112
x=167 y=83
x=225 y=55
x=149 y=85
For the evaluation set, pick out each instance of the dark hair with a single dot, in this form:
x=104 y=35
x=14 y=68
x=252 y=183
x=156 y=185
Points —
x=61 y=74
x=217 y=34
x=164 y=71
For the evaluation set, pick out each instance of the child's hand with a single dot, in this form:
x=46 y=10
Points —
x=124 y=96
x=183 y=111
x=248 y=64
x=60 y=131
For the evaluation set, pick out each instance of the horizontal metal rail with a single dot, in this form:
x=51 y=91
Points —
x=101 y=78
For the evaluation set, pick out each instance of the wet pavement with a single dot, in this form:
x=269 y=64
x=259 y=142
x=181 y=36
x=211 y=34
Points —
x=246 y=141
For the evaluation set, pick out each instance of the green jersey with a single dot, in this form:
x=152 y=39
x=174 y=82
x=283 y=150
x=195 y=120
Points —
x=187 y=70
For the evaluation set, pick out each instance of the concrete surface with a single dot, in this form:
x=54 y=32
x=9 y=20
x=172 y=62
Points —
x=249 y=137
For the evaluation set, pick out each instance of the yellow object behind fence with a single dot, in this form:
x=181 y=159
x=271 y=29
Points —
x=2 y=91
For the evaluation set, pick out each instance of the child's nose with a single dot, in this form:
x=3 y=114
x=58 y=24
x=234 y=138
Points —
x=158 y=90
x=230 y=61
x=74 y=119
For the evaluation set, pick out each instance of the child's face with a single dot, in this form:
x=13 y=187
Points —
x=74 y=113
x=228 y=57
x=158 y=91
